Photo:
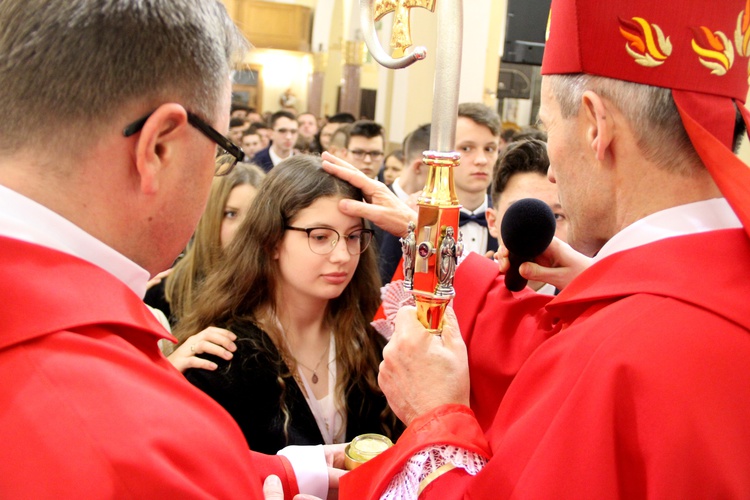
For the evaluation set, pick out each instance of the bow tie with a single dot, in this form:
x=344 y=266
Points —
x=465 y=218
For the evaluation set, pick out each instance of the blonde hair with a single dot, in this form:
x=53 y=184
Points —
x=204 y=251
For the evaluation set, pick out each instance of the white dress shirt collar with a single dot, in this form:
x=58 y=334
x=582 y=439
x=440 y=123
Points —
x=399 y=191
x=22 y=218
x=698 y=217
x=276 y=159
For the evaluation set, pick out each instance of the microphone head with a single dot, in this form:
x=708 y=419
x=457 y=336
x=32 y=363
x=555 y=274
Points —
x=528 y=227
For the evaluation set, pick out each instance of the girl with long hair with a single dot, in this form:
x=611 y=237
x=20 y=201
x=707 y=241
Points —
x=174 y=290
x=298 y=289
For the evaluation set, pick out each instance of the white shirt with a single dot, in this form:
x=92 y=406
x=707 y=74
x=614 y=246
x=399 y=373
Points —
x=276 y=159
x=22 y=218
x=399 y=191
x=547 y=289
x=475 y=236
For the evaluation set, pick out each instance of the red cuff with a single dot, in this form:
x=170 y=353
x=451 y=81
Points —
x=453 y=425
x=279 y=465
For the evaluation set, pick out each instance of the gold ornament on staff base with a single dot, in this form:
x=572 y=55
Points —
x=432 y=245
x=438 y=247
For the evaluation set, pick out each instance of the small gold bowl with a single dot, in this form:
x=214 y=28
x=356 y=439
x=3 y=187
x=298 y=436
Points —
x=363 y=448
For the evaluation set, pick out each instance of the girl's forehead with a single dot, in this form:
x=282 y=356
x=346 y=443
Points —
x=325 y=211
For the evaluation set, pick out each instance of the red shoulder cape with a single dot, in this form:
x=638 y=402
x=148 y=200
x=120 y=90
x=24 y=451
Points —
x=90 y=406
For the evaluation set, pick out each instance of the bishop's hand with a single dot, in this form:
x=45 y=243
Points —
x=420 y=370
x=383 y=207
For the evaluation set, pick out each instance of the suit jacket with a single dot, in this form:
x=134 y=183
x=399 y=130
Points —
x=248 y=389
x=95 y=410
x=263 y=159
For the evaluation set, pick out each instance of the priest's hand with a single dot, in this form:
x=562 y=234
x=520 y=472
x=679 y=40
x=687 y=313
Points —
x=334 y=454
x=421 y=371
x=558 y=265
x=383 y=207
x=212 y=340
x=273 y=490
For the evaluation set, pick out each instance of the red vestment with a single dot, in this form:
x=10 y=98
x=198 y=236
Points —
x=89 y=408
x=643 y=392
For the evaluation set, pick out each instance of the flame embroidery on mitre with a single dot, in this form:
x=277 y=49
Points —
x=714 y=50
x=646 y=42
x=742 y=34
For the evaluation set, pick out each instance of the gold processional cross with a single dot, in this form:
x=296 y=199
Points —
x=401 y=35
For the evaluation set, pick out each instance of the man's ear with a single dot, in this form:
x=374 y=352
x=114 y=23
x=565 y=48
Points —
x=491 y=217
x=420 y=170
x=416 y=165
x=599 y=123
x=157 y=144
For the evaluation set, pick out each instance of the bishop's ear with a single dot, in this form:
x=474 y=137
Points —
x=598 y=122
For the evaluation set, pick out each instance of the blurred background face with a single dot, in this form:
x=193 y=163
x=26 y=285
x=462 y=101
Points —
x=528 y=185
x=235 y=133
x=308 y=126
x=284 y=135
x=366 y=153
x=265 y=137
x=235 y=210
x=478 y=149
x=251 y=144
x=239 y=113
x=392 y=169
x=326 y=133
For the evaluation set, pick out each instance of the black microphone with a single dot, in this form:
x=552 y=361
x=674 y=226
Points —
x=527 y=230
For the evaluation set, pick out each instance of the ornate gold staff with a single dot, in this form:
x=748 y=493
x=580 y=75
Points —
x=432 y=245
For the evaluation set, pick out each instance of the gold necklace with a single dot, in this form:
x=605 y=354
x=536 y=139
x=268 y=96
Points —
x=314 y=379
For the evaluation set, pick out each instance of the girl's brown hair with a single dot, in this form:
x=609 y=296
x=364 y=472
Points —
x=245 y=285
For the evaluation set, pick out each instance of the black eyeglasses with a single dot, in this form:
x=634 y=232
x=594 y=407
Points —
x=322 y=240
x=360 y=154
x=222 y=168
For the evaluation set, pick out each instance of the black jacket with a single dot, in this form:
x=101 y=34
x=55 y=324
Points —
x=247 y=388
x=263 y=159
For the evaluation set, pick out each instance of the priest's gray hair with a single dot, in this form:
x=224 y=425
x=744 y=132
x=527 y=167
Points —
x=67 y=67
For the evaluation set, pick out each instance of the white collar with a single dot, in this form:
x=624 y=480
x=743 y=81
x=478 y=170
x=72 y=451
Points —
x=24 y=219
x=398 y=190
x=698 y=217
x=480 y=209
x=276 y=159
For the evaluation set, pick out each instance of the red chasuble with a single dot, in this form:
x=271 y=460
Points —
x=89 y=408
x=501 y=328
x=643 y=393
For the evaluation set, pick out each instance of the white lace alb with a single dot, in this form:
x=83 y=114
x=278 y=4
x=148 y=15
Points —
x=405 y=484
